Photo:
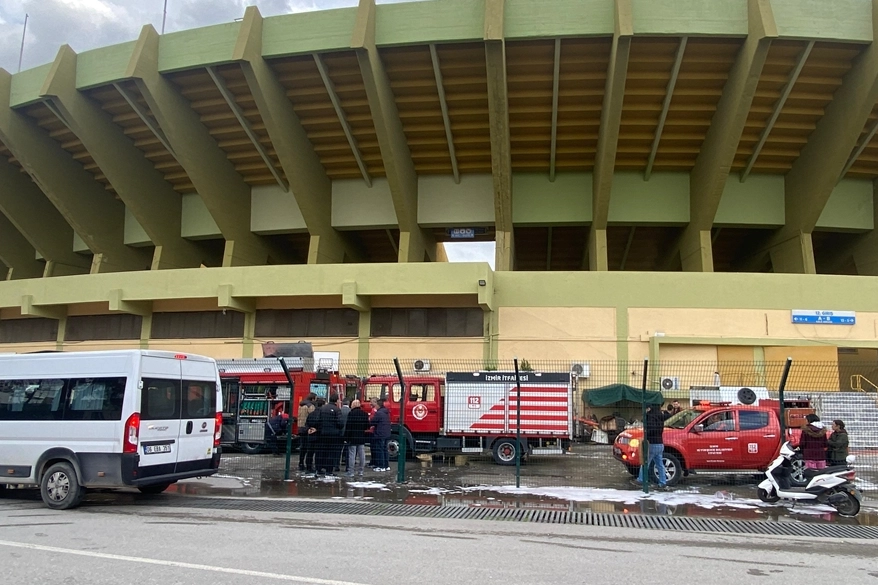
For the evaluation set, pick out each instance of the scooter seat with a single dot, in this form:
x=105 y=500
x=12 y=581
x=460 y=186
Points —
x=811 y=473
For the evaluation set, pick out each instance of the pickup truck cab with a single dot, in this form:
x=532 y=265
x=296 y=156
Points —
x=712 y=439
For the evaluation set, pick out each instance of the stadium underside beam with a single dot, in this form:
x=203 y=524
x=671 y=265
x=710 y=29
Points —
x=501 y=144
x=820 y=166
x=310 y=186
x=95 y=215
x=150 y=199
x=708 y=178
x=608 y=136
x=28 y=209
x=221 y=188
x=415 y=243
x=17 y=253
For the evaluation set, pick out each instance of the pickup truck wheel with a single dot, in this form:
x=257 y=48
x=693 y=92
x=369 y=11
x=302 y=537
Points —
x=673 y=469
x=633 y=469
x=797 y=473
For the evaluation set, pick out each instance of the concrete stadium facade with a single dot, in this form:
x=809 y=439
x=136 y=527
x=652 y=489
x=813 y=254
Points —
x=662 y=178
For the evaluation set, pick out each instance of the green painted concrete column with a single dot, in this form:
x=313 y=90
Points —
x=794 y=255
x=247 y=343
x=364 y=333
x=622 y=331
x=597 y=249
x=696 y=251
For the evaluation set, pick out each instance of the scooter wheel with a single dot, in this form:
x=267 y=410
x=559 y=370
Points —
x=767 y=497
x=849 y=506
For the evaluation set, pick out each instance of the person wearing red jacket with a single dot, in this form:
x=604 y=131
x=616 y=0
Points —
x=813 y=443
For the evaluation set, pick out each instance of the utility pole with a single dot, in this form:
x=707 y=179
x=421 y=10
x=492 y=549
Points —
x=21 y=51
x=164 y=16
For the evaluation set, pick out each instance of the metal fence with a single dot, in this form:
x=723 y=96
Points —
x=835 y=390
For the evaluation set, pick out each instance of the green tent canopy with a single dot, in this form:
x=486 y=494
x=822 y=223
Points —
x=607 y=395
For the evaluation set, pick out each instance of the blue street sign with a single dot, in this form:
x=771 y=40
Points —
x=824 y=317
x=467 y=233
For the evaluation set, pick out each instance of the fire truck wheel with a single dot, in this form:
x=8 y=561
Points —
x=505 y=451
x=251 y=448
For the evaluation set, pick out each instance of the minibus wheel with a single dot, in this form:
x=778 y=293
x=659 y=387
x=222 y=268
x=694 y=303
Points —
x=59 y=487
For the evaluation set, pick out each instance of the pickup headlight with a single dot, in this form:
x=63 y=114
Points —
x=634 y=443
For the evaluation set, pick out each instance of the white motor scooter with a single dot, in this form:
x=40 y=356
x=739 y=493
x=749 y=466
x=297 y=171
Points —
x=831 y=485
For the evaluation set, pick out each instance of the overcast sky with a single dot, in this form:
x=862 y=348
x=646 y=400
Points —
x=88 y=24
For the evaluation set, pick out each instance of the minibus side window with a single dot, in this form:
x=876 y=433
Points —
x=200 y=399
x=160 y=399
x=31 y=399
x=95 y=399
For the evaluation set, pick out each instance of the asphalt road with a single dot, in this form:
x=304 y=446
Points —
x=121 y=543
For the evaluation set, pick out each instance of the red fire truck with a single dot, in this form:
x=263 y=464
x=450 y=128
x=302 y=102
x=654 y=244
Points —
x=255 y=390
x=477 y=413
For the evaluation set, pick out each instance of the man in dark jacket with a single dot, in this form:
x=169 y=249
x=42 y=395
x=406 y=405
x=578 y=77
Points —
x=837 y=453
x=653 y=429
x=306 y=407
x=330 y=436
x=312 y=429
x=381 y=431
x=355 y=436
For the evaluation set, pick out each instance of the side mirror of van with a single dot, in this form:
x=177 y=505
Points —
x=698 y=429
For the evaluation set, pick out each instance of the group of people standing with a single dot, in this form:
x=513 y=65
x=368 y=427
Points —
x=335 y=432
x=818 y=449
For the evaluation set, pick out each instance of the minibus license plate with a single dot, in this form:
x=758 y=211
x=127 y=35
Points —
x=149 y=449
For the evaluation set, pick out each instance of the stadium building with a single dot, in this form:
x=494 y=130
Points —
x=674 y=179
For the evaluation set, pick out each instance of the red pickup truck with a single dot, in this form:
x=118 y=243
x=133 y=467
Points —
x=714 y=439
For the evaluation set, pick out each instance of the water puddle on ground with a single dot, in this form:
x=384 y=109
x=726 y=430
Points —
x=705 y=501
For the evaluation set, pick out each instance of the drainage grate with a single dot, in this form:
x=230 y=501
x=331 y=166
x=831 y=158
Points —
x=675 y=523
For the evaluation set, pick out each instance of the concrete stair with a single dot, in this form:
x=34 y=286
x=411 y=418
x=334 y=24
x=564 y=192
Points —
x=858 y=410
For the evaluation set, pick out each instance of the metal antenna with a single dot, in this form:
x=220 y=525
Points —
x=21 y=51
x=164 y=16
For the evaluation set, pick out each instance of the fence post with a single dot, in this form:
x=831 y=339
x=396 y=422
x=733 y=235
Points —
x=644 y=463
x=518 y=449
x=283 y=364
x=400 y=458
x=781 y=387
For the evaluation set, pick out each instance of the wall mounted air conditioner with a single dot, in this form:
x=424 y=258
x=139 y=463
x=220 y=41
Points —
x=579 y=369
x=421 y=365
x=670 y=382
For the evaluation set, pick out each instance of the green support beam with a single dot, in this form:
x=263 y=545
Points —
x=708 y=178
x=608 y=137
x=414 y=242
x=117 y=304
x=226 y=299
x=95 y=215
x=501 y=144
x=28 y=209
x=820 y=165
x=222 y=189
x=152 y=200
x=865 y=250
x=352 y=300
x=17 y=253
x=310 y=186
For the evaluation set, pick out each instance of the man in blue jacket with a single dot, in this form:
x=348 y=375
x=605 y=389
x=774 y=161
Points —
x=380 y=425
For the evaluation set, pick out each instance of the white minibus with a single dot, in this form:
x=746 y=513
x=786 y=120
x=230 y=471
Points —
x=107 y=419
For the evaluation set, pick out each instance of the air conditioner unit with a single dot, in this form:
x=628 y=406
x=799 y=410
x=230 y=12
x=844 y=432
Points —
x=421 y=365
x=670 y=382
x=579 y=369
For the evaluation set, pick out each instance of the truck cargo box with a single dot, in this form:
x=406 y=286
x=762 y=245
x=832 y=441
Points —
x=484 y=403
